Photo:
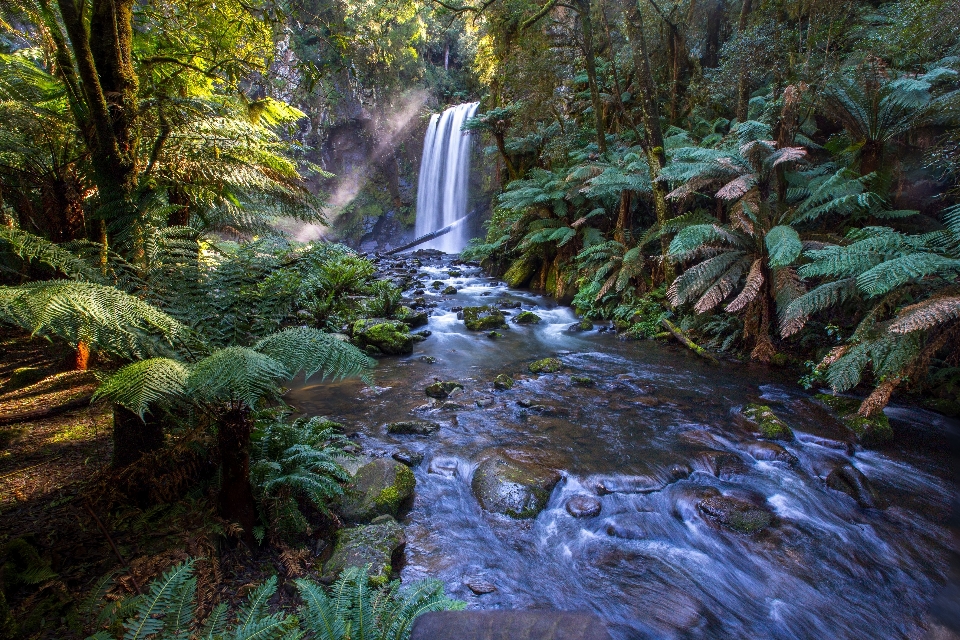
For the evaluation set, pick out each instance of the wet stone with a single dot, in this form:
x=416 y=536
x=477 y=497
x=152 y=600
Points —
x=761 y=419
x=870 y=432
x=485 y=402
x=483 y=318
x=584 y=325
x=735 y=514
x=724 y=465
x=547 y=365
x=582 y=381
x=771 y=452
x=410 y=458
x=851 y=481
x=443 y=389
x=503 y=382
x=527 y=317
x=380 y=487
x=372 y=544
x=446 y=467
x=478 y=585
x=413 y=427
x=513 y=488
x=583 y=506
x=449 y=291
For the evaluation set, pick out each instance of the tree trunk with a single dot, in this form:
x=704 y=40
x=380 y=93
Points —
x=656 y=157
x=236 y=502
x=743 y=82
x=763 y=349
x=586 y=23
x=133 y=437
x=624 y=220
x=81 y=360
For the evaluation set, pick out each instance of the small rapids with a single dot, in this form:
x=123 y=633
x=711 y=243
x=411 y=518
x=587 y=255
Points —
x=652 y=438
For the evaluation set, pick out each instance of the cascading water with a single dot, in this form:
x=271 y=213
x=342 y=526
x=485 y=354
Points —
x=444 y=178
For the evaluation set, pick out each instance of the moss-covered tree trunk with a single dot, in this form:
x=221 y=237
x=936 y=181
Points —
x=743 y=81
x=586 y=25
x=653 y=147
x=236 y=503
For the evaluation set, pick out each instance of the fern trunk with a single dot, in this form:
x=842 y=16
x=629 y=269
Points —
x=743 y=82
x=236 y=501
x=133 y=437
x=586 y=23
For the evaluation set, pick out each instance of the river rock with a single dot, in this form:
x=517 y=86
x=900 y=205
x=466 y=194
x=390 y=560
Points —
x=411 y=318
x=851 y=481
x=724 y=464
x=582 y=381
x=478 y=585
x=449 y=290
x=627 y=484
x=870 y=432
x=583 y=506
x=410 y=458
x=584 y=325
x=380 y=487
x=503 y=382
x=735 y=514
x=527 y=317
x=513 y=488
x=771 y=452
x=441 y=390
x=413 y=427
x=483 y=318
x=384 y=336
x=547 y=365
x=761 y=419
x=372 y=544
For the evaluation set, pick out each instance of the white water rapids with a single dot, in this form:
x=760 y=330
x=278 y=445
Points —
x=444 y=178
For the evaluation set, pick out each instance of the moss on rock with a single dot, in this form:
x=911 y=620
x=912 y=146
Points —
x=483 y=318
x=869 y=432
x=373 y=544
x=384 y=336
x=380 y=487
x=441 y=390
x=503 y=382
x=520 y=271
x=738 y=515
x=517 y=489
x=582 y=381
x=762 y=418
x=527 y=317
x=547 y=365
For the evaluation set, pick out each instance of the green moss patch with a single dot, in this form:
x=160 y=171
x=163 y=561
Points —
x=547 y=365
x=766 y=422
x=527 y=317
x=869 y=432
x=384 y=336
x=483 y=318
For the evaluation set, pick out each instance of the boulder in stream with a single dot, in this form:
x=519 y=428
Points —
x=527 y=317
x=771 y=452
x=449 y=290
x=761 y=419
x=375 y=544
x=413 y=427
x=735 y=514
x=583 y=506
x=547 y=365
x=443 y=389
x=411 y=318
x=503 y=382
x=380 y=487
x=513 y=488
x=851 y=481
x=377 y=335
x=585 y=324
x=870 y=432
x=483 y=318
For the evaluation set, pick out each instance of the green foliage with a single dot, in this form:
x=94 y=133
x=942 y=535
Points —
x=293 y=462
x=349 y=610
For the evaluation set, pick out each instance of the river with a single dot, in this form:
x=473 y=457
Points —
x=643 y=441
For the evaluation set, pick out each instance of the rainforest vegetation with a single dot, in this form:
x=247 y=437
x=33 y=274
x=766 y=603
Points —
x=189 y=191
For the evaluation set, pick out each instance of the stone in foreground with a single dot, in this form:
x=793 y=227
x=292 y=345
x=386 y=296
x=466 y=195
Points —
x=870 y=432
x=380 y=487
x=413 y=427
x=761 y=419
x=373 y=544
x=378 y=336
x=441 y=390
x=512 y=625
x=516 y=489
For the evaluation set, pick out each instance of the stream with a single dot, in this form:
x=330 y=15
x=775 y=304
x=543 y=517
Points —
x=646 y=440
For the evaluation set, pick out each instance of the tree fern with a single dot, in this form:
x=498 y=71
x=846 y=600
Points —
x=141 y=384
x=311 y=351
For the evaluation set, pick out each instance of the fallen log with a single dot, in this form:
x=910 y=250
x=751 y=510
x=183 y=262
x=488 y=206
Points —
x=687 y=342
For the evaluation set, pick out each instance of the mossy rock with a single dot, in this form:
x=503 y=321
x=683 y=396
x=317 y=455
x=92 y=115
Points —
x=373 y=544
x=584 y=325
x=380 y=487
x=738 y=515
x=441 y=390
x=762 y=419
x=385 y=336
x=413 y=427
x=870 y=432
x=503 y=382
x=483 y=318
x=450 y=290
x=437 y=284
x=520 y=272
x=527 y=317
x=493 y=335
x=851 y=481
x=547 y=365
x=411 y=318
x=517 y=489
x=582 y=381
x=454 y=273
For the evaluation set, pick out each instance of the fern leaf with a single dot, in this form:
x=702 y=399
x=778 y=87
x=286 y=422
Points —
x=755 y=280
x=927 y=315
x=310 y=350
x=158 y=601
x=235 y=373
x=138 y=385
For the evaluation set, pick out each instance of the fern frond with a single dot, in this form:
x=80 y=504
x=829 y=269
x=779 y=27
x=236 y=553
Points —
x=236 y=373
x=797 y=313
x=311 y=351
x=138 y=385
x=755 y=280
x=154 y=606
x=927 y=315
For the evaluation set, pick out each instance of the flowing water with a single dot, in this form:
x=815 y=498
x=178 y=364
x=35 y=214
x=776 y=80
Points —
x=650 y=563
x=444 y=176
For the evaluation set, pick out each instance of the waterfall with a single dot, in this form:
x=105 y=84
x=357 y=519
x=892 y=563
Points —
x=444 y=178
